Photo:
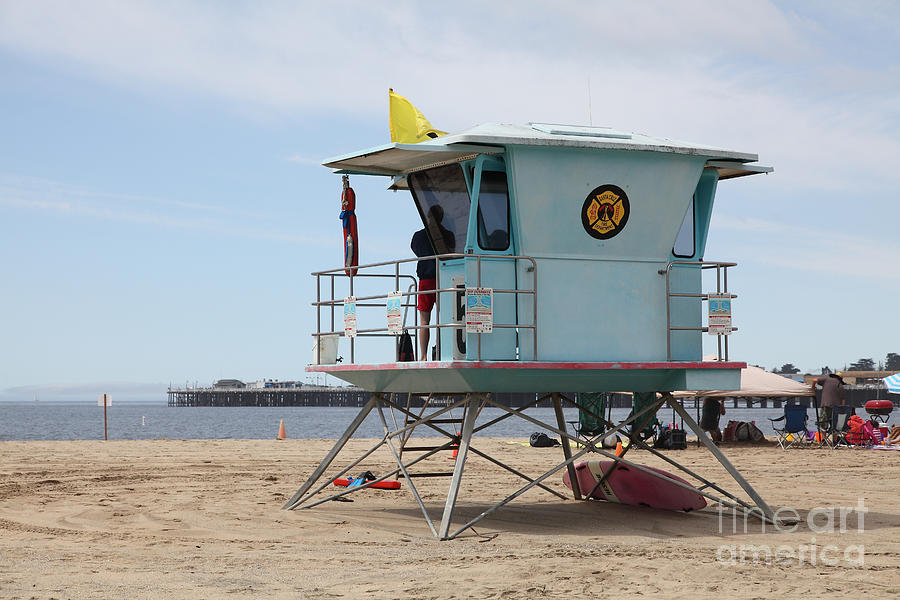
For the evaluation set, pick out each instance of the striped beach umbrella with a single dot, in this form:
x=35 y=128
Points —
x=892 y=383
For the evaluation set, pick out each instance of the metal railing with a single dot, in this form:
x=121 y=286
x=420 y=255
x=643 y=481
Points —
x=721 y=290
x=412 y=292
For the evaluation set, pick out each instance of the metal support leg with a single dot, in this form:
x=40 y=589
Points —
x=567 y=449
x=472 y=404
x=763 y=507
x=636 y=428
x=516 y=412
x=493 y=460
x=706 y=483
x=412 y=487
x=465 y=439
x=326 y=462
x=352 y=490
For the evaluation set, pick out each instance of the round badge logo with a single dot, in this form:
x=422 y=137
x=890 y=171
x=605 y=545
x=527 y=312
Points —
x=605 y=212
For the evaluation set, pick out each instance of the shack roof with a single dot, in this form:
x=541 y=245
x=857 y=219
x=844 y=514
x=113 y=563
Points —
x=396 y=159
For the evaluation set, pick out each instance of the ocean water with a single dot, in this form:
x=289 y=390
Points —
x=145 y=420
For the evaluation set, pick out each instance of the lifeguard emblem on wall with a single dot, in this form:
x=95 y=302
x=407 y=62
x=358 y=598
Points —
x=605 y=211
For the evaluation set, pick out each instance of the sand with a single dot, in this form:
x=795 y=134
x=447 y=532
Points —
x=203 y=519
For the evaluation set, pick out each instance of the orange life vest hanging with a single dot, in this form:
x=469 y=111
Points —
x=348 y=218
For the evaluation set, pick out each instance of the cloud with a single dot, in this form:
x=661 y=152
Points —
x=796 y=84
x=303 y=159
x=71 y=390
x=805 y=249
x=27 y=193
x=295 y=55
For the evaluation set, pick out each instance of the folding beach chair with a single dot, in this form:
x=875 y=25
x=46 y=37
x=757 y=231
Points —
x=651 y=425
x=861 y=432
x=791 y=427
x=836 y=433
x=592 y=414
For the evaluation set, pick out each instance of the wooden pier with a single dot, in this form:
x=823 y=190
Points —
x=270 y=396
x=297 y=395
x=293 y=394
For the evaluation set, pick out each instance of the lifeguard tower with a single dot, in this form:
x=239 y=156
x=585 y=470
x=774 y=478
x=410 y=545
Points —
x=568 y=258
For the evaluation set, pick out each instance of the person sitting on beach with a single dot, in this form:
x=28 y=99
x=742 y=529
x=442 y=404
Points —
x=894 y=436
x=712 y=410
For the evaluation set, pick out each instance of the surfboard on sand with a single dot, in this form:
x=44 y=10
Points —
x=627 y=485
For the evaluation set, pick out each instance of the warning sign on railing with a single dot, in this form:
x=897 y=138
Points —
x=350 y=316
x=479 y=310
x=394 y=320
x=719 y=314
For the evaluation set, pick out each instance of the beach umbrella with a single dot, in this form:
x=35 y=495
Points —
x=892 y=383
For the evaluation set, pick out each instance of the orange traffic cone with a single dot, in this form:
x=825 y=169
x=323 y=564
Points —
x=455 y=450
x=618 y=448
x=281 y=434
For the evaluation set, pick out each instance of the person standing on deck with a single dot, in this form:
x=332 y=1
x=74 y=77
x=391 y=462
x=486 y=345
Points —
x=426 y=271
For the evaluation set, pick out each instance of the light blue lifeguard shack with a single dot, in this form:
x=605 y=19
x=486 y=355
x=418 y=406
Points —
x=592 y=241
x=587 y=244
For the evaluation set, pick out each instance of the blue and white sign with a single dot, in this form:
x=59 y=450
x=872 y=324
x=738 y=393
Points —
x=350 y=316
x=394 y=320
x=720 y=314
x=479 y=310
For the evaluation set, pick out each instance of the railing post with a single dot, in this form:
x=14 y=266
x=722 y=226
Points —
x=725 y=282
x=721 y=288
x=478 y=268
x=353 y=339
x=534 y=321
x=397 y=288
x=669 y=312
x=437 y=308
x=319 y=317
x=396 y=276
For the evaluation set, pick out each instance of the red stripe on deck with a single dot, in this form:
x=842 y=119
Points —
x=572 y=366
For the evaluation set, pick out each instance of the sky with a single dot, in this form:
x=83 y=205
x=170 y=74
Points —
x=162 y=199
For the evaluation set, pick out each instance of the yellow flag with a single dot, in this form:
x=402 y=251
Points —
x=408 y=125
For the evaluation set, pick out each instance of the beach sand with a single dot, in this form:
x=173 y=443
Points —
x=203 y=519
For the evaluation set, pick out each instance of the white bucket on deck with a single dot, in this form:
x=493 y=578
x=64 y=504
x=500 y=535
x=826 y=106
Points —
x=325 y=350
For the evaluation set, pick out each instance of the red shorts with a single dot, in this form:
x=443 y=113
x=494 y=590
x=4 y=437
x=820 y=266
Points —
x=425 y=302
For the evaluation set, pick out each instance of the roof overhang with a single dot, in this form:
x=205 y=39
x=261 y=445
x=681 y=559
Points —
x=396 y=159
x=730 y=169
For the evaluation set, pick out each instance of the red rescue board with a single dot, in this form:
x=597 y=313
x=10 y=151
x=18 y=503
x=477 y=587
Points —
x=381 y=485
x=627 y=485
